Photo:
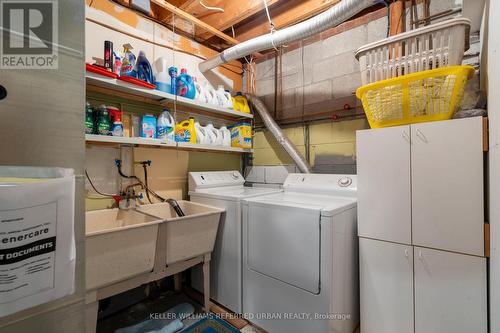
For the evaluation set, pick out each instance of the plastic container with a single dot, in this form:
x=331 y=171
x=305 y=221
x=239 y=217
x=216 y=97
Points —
x=89 y=119
x=143 y=69
x=430 y=47
x=185 y=85
x=128 y=62
x=172 y=72
x=201 y=136
x=214 y=134
x=224 y=98
x=419 y=97
x=148 y=126
x=226 y=136
x=103 y=124
x=120 y=244
x=241 y=135
x=162 y=76
x=185 y=131
x=183 y=238
x=165 y=126
x=117 y=128
x=240 y=103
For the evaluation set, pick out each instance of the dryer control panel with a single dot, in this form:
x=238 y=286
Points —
x=321 y=183
x=211 y=179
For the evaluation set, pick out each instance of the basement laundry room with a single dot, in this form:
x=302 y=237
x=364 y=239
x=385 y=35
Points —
x=259 y=166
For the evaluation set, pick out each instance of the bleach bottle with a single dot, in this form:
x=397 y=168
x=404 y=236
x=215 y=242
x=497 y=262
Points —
x=162 y=76
x=165 y=127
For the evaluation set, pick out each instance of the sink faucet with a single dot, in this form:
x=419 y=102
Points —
x=129 y=197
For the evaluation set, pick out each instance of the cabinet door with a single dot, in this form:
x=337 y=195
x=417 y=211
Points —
x=386 y=287
x=383 y=161
x=450 y=292
x=447 y=185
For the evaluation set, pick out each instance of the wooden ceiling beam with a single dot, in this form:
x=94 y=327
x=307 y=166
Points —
x=186 y=16
x=283 y=15
x=234 y=13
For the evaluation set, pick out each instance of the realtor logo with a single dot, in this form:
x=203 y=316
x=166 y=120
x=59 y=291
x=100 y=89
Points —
x=29 y=34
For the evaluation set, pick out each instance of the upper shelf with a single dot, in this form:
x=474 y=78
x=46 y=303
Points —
x=119 y=85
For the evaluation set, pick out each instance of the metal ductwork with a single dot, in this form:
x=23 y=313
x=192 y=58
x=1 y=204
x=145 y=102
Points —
x=321 y=22
x=282 y=139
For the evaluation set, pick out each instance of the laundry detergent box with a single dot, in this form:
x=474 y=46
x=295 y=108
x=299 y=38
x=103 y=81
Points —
x=241 y=135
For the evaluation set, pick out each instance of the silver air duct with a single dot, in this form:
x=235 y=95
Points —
x=282 y=139
x=321 y=22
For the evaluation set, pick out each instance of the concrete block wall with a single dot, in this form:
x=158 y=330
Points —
x=319 y=77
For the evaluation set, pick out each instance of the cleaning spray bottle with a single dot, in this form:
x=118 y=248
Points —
x=128 y=61
x=172 y=71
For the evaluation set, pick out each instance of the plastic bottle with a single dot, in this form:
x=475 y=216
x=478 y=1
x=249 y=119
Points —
x=165 y=126
x=240 y=103
x=162 y=76
x=211 y=95
x=201 y=94
x=103 y=121
x=185 y=85
x=185 y=131
x=226 y=136
x=117 y=128
x=118 y=63
x=172 y=71
x=143 y=69
x=128 y=62
x=224 y=98
x=201 y=135
x=148 y=128
x=214 y=134
x=89 y=119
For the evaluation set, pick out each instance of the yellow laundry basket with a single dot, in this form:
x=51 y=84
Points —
x=419 y=97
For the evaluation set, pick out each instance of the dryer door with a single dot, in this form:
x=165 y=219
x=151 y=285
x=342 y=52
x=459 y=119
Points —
x=283 y=243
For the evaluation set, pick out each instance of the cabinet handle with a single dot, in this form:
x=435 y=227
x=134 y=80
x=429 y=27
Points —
x=420 y=256
x=421 y=135
x=405 y=136
x=406 y=253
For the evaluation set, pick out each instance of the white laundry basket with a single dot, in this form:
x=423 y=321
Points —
x=430 y=47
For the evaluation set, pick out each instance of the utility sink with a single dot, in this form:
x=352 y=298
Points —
x=120 y=244
x=186 y=237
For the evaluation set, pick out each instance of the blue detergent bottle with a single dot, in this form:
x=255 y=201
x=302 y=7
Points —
x=185 y=85
x=172 y=71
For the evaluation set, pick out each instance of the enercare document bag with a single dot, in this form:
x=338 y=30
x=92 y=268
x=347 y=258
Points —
x=37 y=244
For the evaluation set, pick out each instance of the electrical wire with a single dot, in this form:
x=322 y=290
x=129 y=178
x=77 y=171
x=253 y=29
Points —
x=212 y=8
x=95 y=189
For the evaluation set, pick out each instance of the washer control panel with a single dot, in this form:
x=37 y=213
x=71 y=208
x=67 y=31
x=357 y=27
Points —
x=210 y=179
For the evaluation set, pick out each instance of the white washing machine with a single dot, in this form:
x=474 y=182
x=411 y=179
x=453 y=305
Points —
x=300 y=255
x=224 y=189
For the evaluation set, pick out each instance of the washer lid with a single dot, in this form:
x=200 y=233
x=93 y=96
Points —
x=234 y=193
x=329 y=205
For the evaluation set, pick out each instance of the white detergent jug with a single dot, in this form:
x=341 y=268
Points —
x=224 y=98
x=201 y=135
x=214 y=134
x=211 y=94
x=201 y=95
x=162 y=77
x=226 y=136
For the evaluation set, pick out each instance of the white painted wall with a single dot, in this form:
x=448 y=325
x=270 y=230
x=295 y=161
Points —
x=492 y=38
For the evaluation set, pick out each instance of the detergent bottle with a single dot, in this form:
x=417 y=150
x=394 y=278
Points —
x=226 y=136
x=143 y=69
x=201 y=94
x=214 y=134
x=165 y=127
x=201 y=135
x=185 y=131
x=224 y=98
x=185 y=85
x=240 y=103
x=211 y=95
x=172 y=72
x=162 y=76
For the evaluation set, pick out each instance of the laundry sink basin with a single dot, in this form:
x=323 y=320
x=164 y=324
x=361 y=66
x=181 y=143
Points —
x=186 y=237
x=120 y=244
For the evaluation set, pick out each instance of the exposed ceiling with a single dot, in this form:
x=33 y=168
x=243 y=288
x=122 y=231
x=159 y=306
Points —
x=228 y=22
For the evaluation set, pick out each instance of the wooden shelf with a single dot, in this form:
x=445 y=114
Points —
x=142 y=142
x=164 y=98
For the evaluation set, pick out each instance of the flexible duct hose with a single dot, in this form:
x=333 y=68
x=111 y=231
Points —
x=282 y=139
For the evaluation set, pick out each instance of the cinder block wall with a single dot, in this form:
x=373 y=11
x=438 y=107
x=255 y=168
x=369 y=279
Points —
x=319 y=78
